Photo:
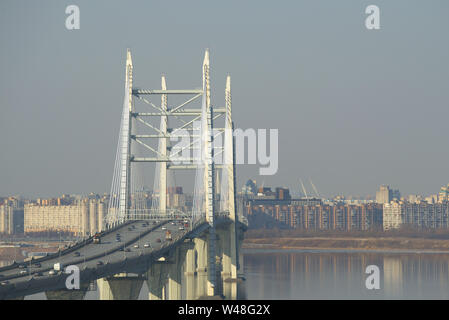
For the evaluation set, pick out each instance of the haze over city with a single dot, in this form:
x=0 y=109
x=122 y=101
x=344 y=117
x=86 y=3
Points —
x=259 y=151
x=355 y=109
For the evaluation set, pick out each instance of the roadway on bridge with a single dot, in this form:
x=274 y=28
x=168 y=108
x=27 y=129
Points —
x=135 y=239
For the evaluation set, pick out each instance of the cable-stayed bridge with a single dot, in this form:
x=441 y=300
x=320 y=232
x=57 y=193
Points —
x=182 y=252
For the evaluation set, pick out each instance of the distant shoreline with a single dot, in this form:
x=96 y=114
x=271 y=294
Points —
x=349 y=244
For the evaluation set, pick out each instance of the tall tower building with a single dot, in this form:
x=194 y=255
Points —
x=93 y=215
x=85 y=221
x=101 y=215
x=384 y=195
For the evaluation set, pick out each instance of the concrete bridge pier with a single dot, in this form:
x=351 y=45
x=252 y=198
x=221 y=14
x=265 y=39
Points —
x=189 y=274
x=201 y=252
x=229 y=263
x=157 y=277
x=177 y=259
x=120 y=287
x=240 y=271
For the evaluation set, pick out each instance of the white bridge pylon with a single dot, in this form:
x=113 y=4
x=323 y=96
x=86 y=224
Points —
x=145 y=137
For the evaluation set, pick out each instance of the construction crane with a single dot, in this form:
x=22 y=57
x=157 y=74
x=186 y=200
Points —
x=303 y=188
x=314 y=188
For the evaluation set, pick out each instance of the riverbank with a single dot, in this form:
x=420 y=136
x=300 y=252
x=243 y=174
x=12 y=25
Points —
x=348 y=243
x=19 y=251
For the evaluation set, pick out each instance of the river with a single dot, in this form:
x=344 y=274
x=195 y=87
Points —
x=339 y=274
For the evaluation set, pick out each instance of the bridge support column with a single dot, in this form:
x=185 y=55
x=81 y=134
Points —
x=202 y=261
x=229 y=254
x=175 y=273
x=189 y=274
x=156 y=280
x=120 y=287
x=240 y=271
x=229 y=261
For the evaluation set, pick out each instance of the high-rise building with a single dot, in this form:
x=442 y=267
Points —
x=81 y=217
x=250 y=187
x=385 y=194
x=11 y=216
x=392 y=215
x=420 y=215
x=444 y=193
x=311 y=214
x=395 y=195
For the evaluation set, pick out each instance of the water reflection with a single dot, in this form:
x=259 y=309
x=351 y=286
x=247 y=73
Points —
x=320 y=274
x=341 y=275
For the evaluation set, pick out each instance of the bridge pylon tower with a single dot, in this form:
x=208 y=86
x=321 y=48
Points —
x=144 y=138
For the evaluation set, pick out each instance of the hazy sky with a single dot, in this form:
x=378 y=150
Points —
x=355 y=108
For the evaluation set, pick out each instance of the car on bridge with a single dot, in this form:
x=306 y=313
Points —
x=168 y=236
x=97 y=238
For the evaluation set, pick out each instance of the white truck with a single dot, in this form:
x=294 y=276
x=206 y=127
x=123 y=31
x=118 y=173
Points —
x=58 y=267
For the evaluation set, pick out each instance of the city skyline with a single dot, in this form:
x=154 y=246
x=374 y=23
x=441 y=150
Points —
x=360 y=108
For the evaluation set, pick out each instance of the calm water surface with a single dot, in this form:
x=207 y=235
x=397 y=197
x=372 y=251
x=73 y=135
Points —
x=321 y=274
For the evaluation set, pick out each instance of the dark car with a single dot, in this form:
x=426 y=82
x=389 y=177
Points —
x=77 y=254
x=100 y=263
x=37 y=265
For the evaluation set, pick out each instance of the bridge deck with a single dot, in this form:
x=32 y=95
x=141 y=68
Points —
x=115 y=257
x=109 y=252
